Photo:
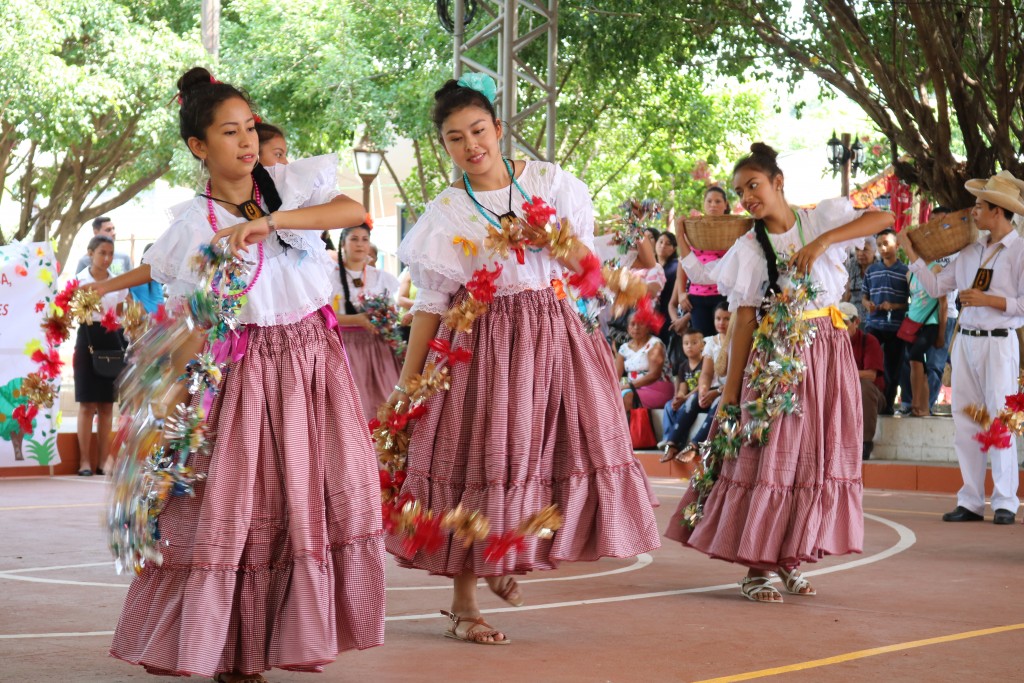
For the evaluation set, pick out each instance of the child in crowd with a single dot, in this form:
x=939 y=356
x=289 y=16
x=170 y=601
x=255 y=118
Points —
x=686 y=375
x=886 y=294
x=709 y=386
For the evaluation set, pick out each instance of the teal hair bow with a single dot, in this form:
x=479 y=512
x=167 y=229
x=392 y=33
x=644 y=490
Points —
x=482 y=83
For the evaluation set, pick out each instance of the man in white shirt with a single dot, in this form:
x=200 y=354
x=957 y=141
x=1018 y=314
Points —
x=990 y=277
x=122 y=263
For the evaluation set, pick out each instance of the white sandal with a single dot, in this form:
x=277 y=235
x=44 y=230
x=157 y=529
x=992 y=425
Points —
x=752 y=586
x=794 y=582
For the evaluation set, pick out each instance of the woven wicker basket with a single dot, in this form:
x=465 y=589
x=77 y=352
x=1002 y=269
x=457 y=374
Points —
x=716 y=233
x=939 y=238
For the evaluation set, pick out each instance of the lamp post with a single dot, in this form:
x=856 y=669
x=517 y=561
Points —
x=846 y=158
x=368 y=163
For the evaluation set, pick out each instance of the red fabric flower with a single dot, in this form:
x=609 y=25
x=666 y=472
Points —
x=425 y=534
x=387 y=481
x=452 y=356
x=482 y=286
x=23 y=415
x=499 y=545
x=1015 y=402
x=996 y=436
x=256 y=118
x=160 y=315
x=40 y=306
x=537 y=212
x=49 y=363
x=589 y=280
x=373 y=424
x=56 y=331
x=63 y=298
x=20 y=270
x=109 y=321
x=646 y=315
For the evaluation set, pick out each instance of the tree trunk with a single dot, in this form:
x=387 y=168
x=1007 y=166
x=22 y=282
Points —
x=16 y=440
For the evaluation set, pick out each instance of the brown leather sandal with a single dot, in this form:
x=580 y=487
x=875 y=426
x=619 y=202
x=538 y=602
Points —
x=245 y=678
x=477 y=632
x=507 y=588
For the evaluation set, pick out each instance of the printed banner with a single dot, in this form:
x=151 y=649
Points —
x=28 y=284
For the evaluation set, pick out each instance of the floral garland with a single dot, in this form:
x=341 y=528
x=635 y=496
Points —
x=997 y=432
x=153 y=451
x=638 y=216
x=402 y=513
x=384 y=316
x=775 y=371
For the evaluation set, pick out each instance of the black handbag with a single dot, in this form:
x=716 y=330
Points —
x=106 y=362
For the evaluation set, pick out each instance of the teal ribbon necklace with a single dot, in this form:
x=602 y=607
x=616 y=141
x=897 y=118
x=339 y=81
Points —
x=484 y=211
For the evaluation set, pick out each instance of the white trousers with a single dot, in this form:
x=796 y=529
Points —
x=984 y=373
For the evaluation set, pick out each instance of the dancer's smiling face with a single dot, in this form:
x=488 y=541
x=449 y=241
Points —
x=230 y=146
x=759 y=193
x=470 y=137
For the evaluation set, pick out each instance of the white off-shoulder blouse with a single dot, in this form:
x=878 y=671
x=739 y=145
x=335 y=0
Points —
x=446 y=245
x=742 y=274
x=294 y=282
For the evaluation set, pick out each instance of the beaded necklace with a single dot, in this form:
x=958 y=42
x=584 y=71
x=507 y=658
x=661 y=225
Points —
x=483 y=210
x=213 y=224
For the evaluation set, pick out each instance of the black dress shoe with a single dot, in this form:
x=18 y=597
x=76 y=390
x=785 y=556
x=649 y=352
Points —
x=962 y=514
x=1003 y=517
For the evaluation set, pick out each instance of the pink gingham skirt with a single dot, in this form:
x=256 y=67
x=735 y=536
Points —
x=374 y=367
x=798 y=498
x=278 y=560
x=534 y=419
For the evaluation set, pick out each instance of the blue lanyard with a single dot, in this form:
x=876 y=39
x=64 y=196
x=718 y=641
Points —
x=480 y=207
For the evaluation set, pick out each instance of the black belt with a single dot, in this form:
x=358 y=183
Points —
x=986 y=333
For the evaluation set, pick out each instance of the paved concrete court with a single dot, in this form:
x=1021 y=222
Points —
x=927 y=601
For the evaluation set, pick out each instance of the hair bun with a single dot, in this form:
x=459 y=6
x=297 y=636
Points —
x=194 y=78
x=760 y=149
x=450 y=86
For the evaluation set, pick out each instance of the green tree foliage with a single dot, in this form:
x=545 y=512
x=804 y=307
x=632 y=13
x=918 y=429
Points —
x=936 y=78
x=85 y=121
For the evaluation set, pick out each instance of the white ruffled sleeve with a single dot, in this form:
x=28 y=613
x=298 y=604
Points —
x=170 y=257
x=302 y=183
x=834 y=213
x=742 y=274
x=571 y=199
x=437 y=266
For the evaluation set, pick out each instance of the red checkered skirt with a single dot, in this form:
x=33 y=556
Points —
x=798 y=498
x=532 y=420
x=374 y=367
x=278 y=559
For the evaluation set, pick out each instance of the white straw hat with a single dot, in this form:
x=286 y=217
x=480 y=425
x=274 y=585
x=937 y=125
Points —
x=1002 y=189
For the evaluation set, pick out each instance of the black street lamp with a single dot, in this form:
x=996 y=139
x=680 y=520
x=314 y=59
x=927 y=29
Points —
x=857 y=153
x=838 y=154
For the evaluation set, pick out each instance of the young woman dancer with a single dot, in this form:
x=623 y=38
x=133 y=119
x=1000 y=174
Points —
x=532 y=419
x=797 y=498
x=277 y=561
x=373 y=364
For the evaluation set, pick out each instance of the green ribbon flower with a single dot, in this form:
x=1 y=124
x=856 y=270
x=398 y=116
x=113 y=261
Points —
x=482 y=83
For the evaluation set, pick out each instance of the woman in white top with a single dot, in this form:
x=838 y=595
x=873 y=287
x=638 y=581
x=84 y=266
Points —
x=95 y=393
x=798 y=497
x=373 y=363
x=277 y=560
x=641 y=362
x=532 y=419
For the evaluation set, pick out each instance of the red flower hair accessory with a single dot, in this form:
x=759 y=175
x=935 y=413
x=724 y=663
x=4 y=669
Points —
x=646 y=315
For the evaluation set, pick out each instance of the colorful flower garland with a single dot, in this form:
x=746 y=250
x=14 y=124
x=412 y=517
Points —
x=153 y=450
x=775 y=371
x=997 y=432
x=384 y=316
x=402 y=513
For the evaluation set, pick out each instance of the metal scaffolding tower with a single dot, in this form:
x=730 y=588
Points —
x=506 y=19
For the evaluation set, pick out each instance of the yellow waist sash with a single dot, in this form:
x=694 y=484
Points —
x=827 y=312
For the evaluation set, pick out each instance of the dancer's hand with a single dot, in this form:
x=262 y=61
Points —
x=804 y=259
x=399 y=400
x=730 y=397
x=244 y=234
